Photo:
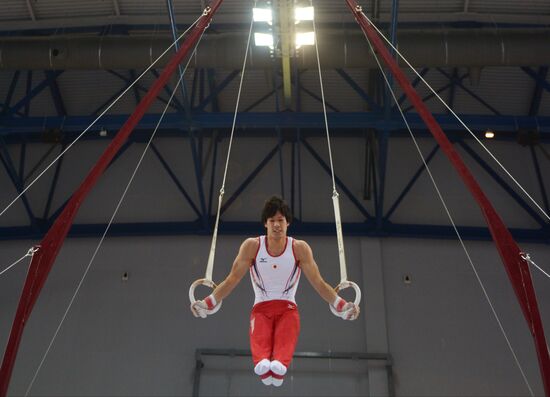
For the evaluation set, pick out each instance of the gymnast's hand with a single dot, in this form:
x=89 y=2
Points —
x=345 y=310
x=201 y=308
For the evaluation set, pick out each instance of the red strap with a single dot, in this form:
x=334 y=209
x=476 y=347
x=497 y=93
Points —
x=43 y=260
x=210 y=301
x=339 y=304
x=516 y=267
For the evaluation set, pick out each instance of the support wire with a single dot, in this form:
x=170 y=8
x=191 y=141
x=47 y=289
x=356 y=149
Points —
x=335 y=195
x=459 y=119
x=212 y=253
x=30 y=253
x=95 y=120
x=527 y=257
x=447 y=211
x=109 y=224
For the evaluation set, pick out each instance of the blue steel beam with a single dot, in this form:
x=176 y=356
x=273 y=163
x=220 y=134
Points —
x=535 y=76
x=537 y=94
x=183 y=87
x=279 y=136
x=299 y=164
x=414 y=83
x=383 y=138
x=319 y=99
x=300 y=87
x=22 y=158
x=34 y=92
x=367 y=229
x=133 y=77
x=201 y=86
x=198 y=172
x=200 y=153
x=16 y=180
x=533 y=111
x=540 y=178
x=56 y=93
x=175 y=180
x=214 y=142
x=169 y=92
x=452 y=91
x=11 y=89
x=56 y=213
x=111 y=99
x=262 y=99
x=357 y=88
x=339 y=182
x=213 y=173
x=269 y=94
x=517 y=198
x=411 y=183
x=249 y=179
x=194 y=88
x=297 y=84
x=293 y=175
x=53 y=186
x=38 y=164
x=352 y=122
x=211 y=76
x=452 y=85
x=137 y=86
x=27 y=105
x=472 y=94
x=214 y=94
x=384 y=133
x=369 y=177
x=374 y=175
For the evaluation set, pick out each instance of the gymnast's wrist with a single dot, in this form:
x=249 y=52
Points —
x=211 y=301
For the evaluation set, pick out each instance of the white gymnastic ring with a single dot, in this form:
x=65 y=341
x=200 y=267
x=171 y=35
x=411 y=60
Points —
x=206 y=283
x=344 y=285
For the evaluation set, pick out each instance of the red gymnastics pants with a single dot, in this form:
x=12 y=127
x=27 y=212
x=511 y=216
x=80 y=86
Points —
x=274 y=329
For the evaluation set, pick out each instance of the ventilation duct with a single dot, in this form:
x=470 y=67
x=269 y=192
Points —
x=467 y=48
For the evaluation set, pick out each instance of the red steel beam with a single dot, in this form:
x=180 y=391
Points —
x=52 y=242
x=510 y=253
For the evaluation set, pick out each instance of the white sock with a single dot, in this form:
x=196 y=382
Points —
x=278 y=368
x=277 y=382
x=262 y=367
x=267 y=381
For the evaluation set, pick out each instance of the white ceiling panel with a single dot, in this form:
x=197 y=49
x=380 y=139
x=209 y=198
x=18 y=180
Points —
x=425 y=6
x=14 y=10
x=69 y=9
x=510 y=7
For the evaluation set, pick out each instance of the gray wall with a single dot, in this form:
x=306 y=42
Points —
x=138 y=337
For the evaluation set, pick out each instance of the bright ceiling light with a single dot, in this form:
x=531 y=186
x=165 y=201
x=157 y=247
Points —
x=489 y=134
x=263 y=39
x=262 y=15
x=303 y=14
x=305 y=39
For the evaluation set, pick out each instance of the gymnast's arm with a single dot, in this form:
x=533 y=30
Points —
x=242 y=262
x=305 y=256
x=345 y=310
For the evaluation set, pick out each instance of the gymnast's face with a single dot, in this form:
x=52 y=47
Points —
x=276 y=226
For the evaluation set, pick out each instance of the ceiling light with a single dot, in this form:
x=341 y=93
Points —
x=305 y=39
x=489 y=134
x=303 y=14
x=263 y=39
x=262 y=15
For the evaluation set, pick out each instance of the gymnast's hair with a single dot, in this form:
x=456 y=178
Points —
x=272 y=206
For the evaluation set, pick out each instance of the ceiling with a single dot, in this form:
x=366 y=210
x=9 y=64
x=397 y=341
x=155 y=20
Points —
x=486 y=58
